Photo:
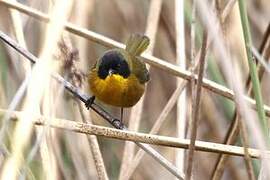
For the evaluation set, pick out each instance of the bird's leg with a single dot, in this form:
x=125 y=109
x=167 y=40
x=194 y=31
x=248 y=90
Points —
x=121 y=115
x=90 y=101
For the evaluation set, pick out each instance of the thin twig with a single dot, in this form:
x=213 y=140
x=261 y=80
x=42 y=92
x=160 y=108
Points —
x=154 y=61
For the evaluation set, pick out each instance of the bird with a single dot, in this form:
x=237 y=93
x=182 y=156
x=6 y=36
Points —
x=119 y=76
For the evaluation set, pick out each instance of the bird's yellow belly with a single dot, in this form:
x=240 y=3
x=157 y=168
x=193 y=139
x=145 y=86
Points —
x=116 y=90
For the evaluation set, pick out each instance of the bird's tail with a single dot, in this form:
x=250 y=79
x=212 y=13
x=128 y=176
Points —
x=136 y=44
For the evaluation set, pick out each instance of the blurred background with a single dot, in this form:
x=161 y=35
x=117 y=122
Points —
x=69 y=154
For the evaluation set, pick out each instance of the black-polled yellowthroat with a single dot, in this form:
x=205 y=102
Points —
x=119 y=76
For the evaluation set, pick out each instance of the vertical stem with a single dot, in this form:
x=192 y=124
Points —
x=195 y=109
x=181 y=61
x=136 y=112
x=252 y=67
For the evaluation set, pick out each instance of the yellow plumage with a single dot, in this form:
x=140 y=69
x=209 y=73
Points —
x=116 y=90
x=119 y=76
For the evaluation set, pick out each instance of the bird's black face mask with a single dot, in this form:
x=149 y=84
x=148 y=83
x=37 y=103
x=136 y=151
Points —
x=112 y=62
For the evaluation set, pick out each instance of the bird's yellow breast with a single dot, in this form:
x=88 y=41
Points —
x=115 y=89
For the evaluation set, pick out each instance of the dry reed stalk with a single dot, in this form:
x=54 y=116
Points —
x=83 y=13
x=209 y=106
x=82 y=149
x=158 y=123
x=89 y=145
x=192 y=67
x=68 y=54
x=242 y=126
x=136 y=111
x=226 y=11
x=182 y=99
x=2 y=95
x=76 y=158
x=83 y=162
x=232 y=132
x=219 y=119
x=242 y=107
x=135 y=136
x=192 y=57
x=154 y=61
x=211 y=113
x=245 y=142
x=83 y=97
x=222 y=159
x=166 y=110
x=18 y=29
x=48 y=136
x=256 y=86
x=264 y=50
x=263 y=62
x=24 y=128
x=49 y=143
x=93 y=144
x=57 y=153
x=258 y=19
x=195 y=108
x=233 y=126
x=164 y=114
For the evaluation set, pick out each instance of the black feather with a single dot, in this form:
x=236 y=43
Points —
x=113 y=60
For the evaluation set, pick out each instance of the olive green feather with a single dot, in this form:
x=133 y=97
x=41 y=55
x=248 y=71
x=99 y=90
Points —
x=135 y=46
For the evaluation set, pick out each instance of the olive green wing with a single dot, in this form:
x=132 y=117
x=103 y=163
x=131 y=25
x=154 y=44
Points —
x=136 y=44
x=140 y=70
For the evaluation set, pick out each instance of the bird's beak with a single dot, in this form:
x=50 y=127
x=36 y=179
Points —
x=111 y=72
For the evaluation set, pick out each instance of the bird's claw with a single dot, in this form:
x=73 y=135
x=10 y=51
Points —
x=118 y=123
x=89 y=102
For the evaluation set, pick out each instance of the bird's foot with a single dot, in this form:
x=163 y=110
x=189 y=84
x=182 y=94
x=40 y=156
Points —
x=89 y=102
x=118 y=123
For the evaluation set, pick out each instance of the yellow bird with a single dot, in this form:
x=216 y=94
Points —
x=118 y=78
